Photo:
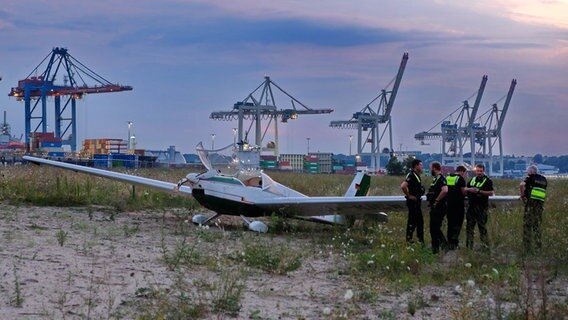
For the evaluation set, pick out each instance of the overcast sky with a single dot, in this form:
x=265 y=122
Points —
x=187 y=58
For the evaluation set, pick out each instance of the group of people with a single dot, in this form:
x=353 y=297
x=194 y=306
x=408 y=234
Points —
x=446 y=198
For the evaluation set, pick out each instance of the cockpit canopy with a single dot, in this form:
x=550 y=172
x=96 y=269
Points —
x=230 y=162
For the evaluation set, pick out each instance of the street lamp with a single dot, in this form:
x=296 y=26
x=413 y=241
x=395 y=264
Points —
x=234 y=136
x=308 y=139
x=350 y=139
x=130 y=123
x=212 y=141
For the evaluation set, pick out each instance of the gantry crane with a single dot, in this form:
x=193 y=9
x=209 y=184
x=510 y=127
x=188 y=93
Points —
x=488 y=135
x=368 y=119
x=39 y=88
x=455 y=135
x=263 y=107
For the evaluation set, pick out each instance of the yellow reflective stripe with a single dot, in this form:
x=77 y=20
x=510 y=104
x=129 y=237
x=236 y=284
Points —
x=452 y=180
x=479 y=184
x=417 y=177
x=538 y=194
x=435 y=179
x=414 y=173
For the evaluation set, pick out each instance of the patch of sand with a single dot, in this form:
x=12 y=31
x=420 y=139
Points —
x=69 y=266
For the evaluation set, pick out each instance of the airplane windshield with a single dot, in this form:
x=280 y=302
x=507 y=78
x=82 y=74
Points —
x=229 y=161
x=203 y=156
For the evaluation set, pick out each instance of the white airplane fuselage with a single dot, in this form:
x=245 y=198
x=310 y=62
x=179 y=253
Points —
x=229 y=195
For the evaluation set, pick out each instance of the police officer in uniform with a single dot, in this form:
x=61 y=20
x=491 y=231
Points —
x=478 y=191
x=436 y=197
x=413 y=191
x=456 y=207
x=533 y=193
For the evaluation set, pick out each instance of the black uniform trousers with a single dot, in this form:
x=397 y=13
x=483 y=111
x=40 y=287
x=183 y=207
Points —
x=415 y=221
x=437 y=214
x=531 y=225
x=477 y=214
x=455 y=214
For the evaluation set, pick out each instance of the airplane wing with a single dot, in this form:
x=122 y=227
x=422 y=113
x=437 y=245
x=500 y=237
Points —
x=153 y=183
x=315 y=206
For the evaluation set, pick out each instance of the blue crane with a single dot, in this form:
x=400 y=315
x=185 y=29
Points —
x=37 y=88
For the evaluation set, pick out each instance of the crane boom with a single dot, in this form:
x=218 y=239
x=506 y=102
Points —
x=506 y=105
x=477 y=102
x=396 y=85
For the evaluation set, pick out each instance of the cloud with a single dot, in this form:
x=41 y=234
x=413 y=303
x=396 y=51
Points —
x=188 y=58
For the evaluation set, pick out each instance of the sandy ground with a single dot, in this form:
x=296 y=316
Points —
x=78 y=263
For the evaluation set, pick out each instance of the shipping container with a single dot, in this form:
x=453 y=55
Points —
x=268 y=157
x=123 y=160
x=50 y=144
x=101 y=161
x=58 y=154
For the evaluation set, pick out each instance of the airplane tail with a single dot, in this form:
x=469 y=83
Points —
x=359 y=186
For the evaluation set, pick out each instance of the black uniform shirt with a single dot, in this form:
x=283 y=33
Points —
x=415 y=187
x=436 y=187
x=477 y=199
x=455 y=183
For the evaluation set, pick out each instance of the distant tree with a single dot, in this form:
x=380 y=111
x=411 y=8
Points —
x=394 y=167
x=407 y=164
x=537 y=158
x=509 y=165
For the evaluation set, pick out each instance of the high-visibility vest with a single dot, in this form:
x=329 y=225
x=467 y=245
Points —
x=538 y=193
x=452 y=180
x=536 y=187
x=476 y=184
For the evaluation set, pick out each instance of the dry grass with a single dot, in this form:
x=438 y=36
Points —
x=211 y=272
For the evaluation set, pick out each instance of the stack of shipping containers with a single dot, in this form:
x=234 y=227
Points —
x=104 y=146
x=46 y=142
x=346 y=166
x=311 y=164
x=108 y=153
x=268 y=162
x=292 y=161
x=325 y=161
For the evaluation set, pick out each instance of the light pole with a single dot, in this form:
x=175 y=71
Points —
x=350 y=140
x=130 y=123
x=308 y=139
x=212 y=141
x=234 y=136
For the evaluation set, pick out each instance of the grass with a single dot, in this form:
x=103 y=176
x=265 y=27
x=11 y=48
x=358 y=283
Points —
x=276 y=259
x=373 y=257
x=17 y=298
x=61 y=236
x=45 y=186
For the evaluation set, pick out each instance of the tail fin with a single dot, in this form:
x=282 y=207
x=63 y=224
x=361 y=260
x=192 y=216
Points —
x=359 y=186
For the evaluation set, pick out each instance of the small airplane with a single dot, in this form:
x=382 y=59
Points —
x=252 y=193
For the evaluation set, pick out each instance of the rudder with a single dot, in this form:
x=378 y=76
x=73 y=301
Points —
x=360 y=185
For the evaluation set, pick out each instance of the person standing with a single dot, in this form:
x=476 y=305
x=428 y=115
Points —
x=436 y=197
x=533 y=193
x=413 y=191
x=478 y=191
x=456 y=206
